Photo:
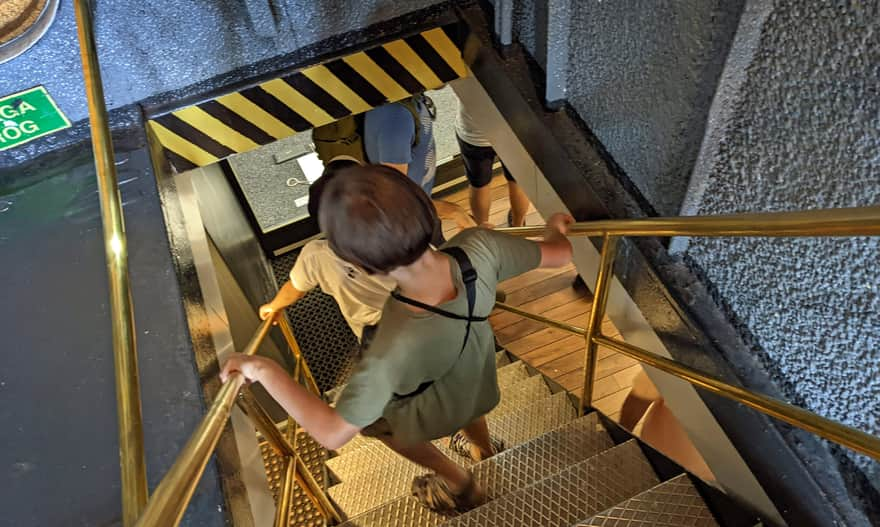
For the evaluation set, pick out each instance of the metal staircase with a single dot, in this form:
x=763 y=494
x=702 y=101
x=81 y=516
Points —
x=558 y=470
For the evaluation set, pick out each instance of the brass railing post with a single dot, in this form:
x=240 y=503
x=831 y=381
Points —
x=848 y=436
x=128 y=404
x=597 y=313
x=285 y=494
x=297 y=353
x=263 y=422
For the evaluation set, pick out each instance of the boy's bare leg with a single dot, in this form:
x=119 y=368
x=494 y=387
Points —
x=480 y=201
x=519 y=204
x=478 y=434
x=428 y=456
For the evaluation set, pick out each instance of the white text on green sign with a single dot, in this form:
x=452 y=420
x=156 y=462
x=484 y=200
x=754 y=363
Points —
x=27 y=115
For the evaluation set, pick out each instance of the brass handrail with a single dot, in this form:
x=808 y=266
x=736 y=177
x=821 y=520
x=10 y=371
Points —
x=858 y=221
x=170 y=499
x=831 y=222
x=132 y=461
x=832 y=430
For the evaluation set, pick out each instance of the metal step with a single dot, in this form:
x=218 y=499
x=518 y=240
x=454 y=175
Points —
x=673 y=503
x=507 y=472
x=377 y=458
x=380 y=483
x=515 y=396
x=577 y=492
x=509 y=376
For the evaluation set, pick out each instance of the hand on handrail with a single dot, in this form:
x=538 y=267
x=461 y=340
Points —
x=286 y=296
x=250 y=366
x=558 y=223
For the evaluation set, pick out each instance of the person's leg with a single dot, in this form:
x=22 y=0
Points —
x=519 y=202
x=478 y=434
x=428 y=456
x=478 y=169
x=480 y=201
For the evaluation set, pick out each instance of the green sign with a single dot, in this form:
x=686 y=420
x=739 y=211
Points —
x=27 y=115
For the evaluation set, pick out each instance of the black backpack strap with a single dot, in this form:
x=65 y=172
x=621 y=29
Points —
x=469 y=277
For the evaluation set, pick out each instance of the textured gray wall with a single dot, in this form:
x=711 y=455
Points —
x=147 y=48
x=801 y=130
x=642 y=75
x=525 y=16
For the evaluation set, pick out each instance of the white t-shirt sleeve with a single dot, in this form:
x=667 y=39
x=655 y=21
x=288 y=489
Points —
x=302 y=276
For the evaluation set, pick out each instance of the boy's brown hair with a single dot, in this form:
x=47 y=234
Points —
x=377 y=218
x=334 y=168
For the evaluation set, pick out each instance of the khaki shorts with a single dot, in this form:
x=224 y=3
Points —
x=380 y=428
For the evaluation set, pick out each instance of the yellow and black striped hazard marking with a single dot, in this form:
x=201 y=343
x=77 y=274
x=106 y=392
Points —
x=207 y=132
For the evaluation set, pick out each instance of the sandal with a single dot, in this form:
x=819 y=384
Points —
x=432 y=492
x=461 y=445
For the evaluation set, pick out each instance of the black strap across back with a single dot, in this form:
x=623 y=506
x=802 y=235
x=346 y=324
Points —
x=469 y=277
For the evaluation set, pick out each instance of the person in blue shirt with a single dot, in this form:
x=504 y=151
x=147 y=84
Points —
x=391 y=139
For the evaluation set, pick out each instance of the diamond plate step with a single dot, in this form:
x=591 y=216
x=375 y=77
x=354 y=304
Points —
x=376 y=458
x=512 y=374
x=381 y=483
x=515 y=396
x=533 y=419
x=560 y=500
x=373 y=455
x=673 y=503
x=511 y=470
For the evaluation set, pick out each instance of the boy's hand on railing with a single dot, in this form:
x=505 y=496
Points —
x=556 y=248
x=266 y=311
x=558 y=223
x=252 y=367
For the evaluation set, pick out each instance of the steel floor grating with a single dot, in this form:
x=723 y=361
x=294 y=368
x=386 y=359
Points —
x=562 y=499
x=673 y=503
x=328 y=345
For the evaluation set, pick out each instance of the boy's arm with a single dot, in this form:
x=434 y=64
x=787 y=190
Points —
x=287 y=295
x=555 y=248
x=320 y=420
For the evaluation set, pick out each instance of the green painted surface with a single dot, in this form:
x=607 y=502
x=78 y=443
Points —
x=27 y=115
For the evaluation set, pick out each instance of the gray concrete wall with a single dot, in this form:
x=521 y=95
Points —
x=642 y=75
x=798 y=127
x=147 y=48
